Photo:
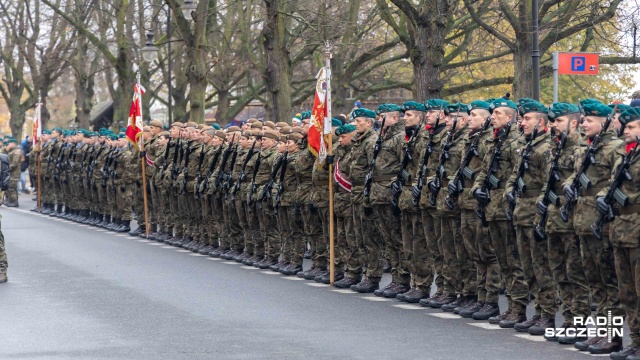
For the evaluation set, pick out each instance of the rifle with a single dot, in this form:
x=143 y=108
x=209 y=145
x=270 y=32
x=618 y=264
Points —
x=280 y=190
x=225 y=158
x=243 y=175
x=266 y=190
x=417 y=190
x=185 y=170
x=253 y=188
x=227 y=184
x=614 y=194
x=105 y=168
x=112 y=173
x=165 y=164
x=403 y=176
x=444 y=156
x=196 y=192
x=456 y=185
x=550 y=197
x=174 y=165
x=51 y=156
x=368 y=179
x=491 y=181
x=204 y=186
x=581 y=181
x=519 y=185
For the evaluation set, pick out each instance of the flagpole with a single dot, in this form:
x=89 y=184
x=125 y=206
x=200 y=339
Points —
x=332 y=256
x=143 y=158
x=39 y=145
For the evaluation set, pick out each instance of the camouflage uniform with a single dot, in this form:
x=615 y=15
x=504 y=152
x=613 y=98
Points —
x=289 y=218
x=251 y=214
x=14 y=175
x=4 y=264
x=268 y=243
x=533 y=254
x=564 y=253
x=122 y=180
x=346 y=246
x=597 y=255
x=501 y=231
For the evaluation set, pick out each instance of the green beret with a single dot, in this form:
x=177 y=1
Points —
x=122 y=130
x=561 y=109
x=479 y=104
x=345 y=129
x=57 y=129
x=385 y=108
x=305 y=115
x=362 y=112
x=621 y=107
x=73 y=132
x=436 y=104
x=631 y=114
x=12 y=140
x=414 y=105
x=92 y=134
x=112 y=137
x=490 y=100
x=216 y=126
x=521 y=101
x=532 y=106
x=336 y=122
x=46 y=132
x=592 y=107
x=500 y=102
x=457 y=107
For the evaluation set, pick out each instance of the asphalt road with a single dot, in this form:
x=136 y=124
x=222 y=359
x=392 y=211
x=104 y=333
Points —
x=77 y=292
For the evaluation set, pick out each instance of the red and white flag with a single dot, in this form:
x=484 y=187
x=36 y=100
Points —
x=37 y=125
x=134 y=128
x=320 y=115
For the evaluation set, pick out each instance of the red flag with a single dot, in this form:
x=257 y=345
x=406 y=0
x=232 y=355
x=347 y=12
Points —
x=37 y=126
x=134 y=128
x=319 y=117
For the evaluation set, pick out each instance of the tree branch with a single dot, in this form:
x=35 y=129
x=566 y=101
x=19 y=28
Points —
x=487 y=28
x=457 y=89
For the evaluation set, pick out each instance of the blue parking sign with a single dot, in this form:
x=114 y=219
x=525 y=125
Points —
x=578 y=63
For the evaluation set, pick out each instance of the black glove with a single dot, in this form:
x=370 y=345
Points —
x=602 y=207
x=138 y=184
x=123 y=189
x=433 y=187
x=453 y=189
x=542 y=208
x=396 y=189
x=415 y=192
x=329 y=160
x=313 y=209
x=481 y=196
x=569 y=193
x=367 y=211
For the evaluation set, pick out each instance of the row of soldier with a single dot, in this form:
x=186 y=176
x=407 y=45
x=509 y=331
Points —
x=466 y=197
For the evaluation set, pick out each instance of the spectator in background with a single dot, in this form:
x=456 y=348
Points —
x=24 y=165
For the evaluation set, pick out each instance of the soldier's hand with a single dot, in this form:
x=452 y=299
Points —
x=453 y=189
x=602 y=207
x=481 y=196
x=542 y=208
x=415 y=192
x=367 y=211
x=313 y=209
x=433 y=187
x=569 y=193
x=123 y=189
x=329 y=160
x=395 y=188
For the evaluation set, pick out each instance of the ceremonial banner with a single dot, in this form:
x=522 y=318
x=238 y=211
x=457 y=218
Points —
x=134 y=128
x=320 y=122
x=37 y=125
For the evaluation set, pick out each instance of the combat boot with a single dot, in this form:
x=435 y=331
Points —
x=260 y=262
x=446 y=298
x=346 y=283
x=523 y=326
x=303 y=273
x=251 y=260
x=386 y=267
x=630 y=352
x=54 y=210
x=427 y=302
x=326 y=278
x=380 y=292
x=241 y=257
x=268 y=262
x=45 y=209
x=117 y=225
x=308 y=254
x=399 y=289
x=539 y=327
x=471 y=309
x=3 y=278
x=605 y=347
x=136 y=232
x=466 y=302
x=230 y=255
x=292 y=269
x=365 y=286
x=452 y=305
x=311 y=275
x=584 y=345
x=125 y=226
x=413 y=297
x=564 y=325
x=278 y=266
x=486 y=312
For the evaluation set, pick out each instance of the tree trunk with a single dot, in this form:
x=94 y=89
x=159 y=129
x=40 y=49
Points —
x=277 y=61
x=16 y=122
x=222 y=113
x=522 y=64
x=428 y=54
x=340 y=87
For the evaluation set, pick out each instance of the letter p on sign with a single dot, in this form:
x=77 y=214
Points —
x=578 y=63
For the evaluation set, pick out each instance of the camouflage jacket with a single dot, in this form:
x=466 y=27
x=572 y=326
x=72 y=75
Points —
x=123 y=176
x=599 y=173
x=405 y=202
x=495 y=210
x=387 y=164
x=342 y=166
x=456 y=150
x=568 y=157
x=288 y=196
x=437 y=135
x=465 y=200
x=625 y=228
x=361 y=154
x=534 y=179
x=268 y=161
x=320 y=195
x=14 y=163
x=303 y=167
x=101 y=160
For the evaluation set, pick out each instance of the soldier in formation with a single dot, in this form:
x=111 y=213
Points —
x=461 y=199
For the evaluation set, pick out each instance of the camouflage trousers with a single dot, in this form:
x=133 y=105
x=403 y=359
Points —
x=313 y=234
x=627 y=264
x=346 y=245
x=124 y=201
x=11 y=194
x=290 y=228
x=4 y=264
x=481 y=253
x=599 y=268
x=269 y=242
x=46 y=190
x=389 y=227
x=138 y=206
x=103 y=202
x=321 y=247
x=233 y=236
x=459 y=272
x=432 y=234
x=535 y=263
x=163 y=210
x=241 y=213
x=414 y=246
x=176 y=212
x=213 y=219
x=503 y=240
x=253 y=225
x=369 y=242
x=568 y=274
